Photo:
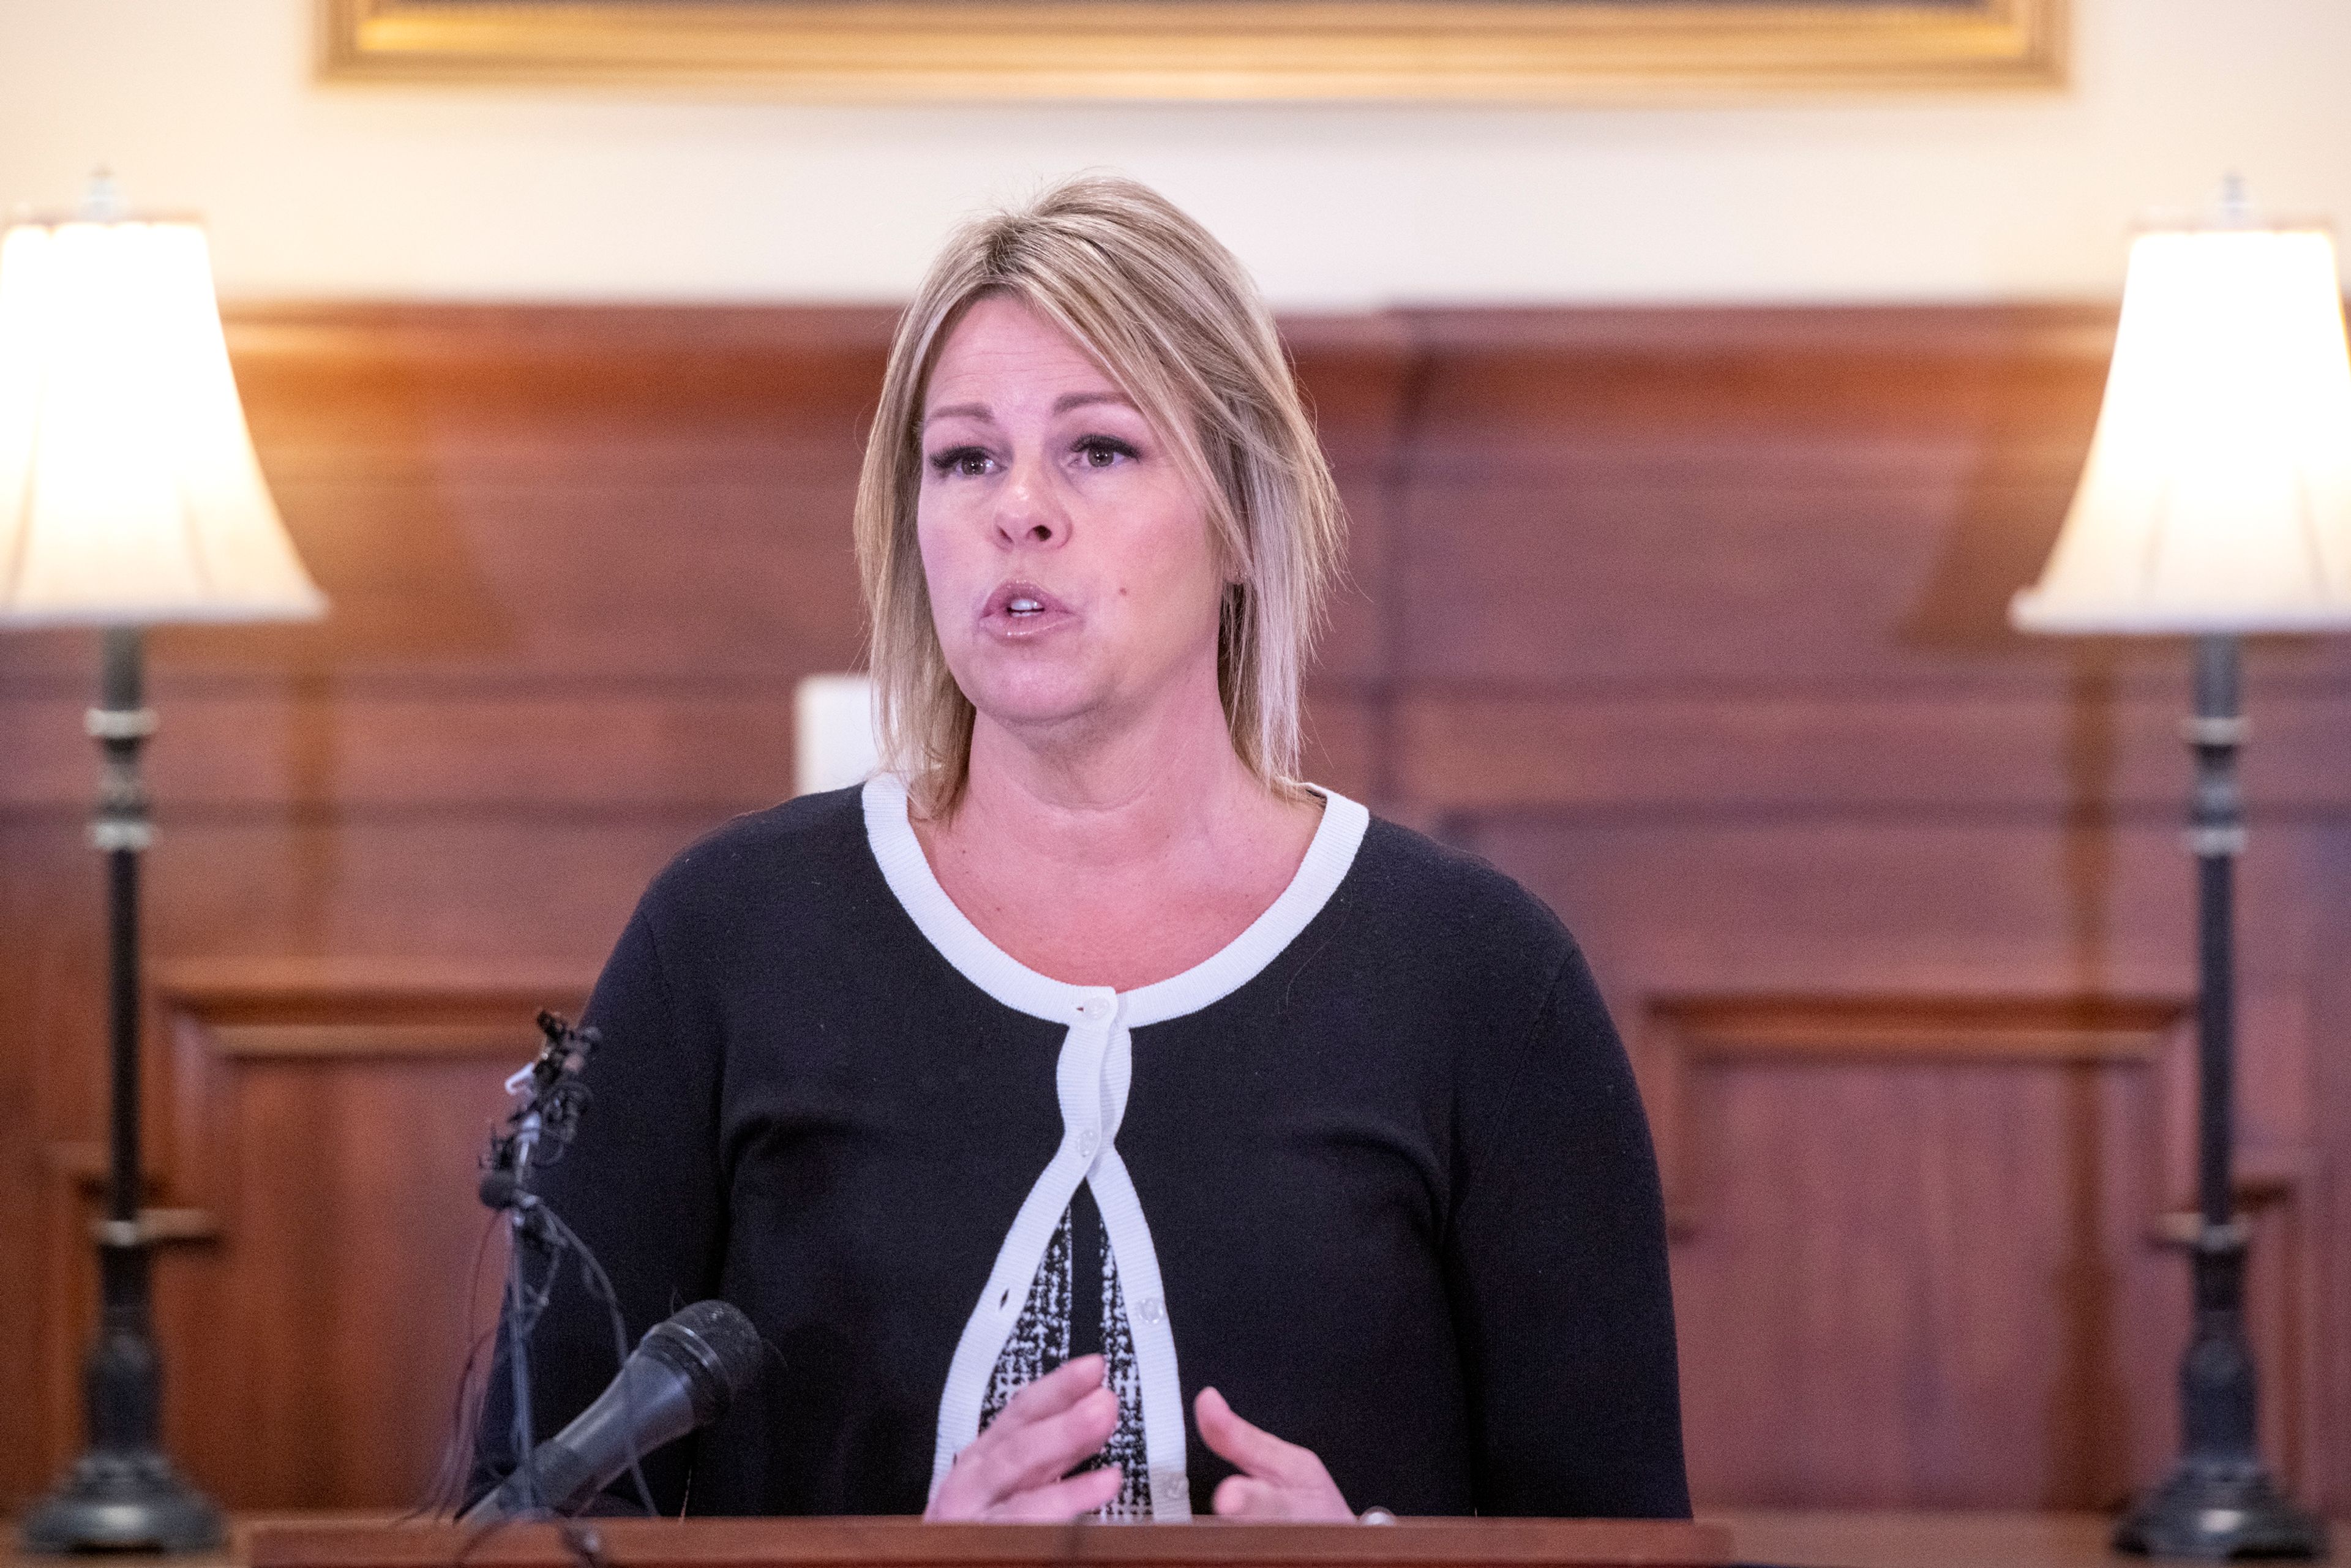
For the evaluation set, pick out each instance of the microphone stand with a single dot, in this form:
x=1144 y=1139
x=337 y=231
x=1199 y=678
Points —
x=552 y=1096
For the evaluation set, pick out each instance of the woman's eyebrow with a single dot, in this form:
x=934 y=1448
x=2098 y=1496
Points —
x=1068 y=401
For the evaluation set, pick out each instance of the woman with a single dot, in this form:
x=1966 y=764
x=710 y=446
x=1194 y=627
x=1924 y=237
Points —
x=1085 y=1068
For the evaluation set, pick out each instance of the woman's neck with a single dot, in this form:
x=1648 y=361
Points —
x=1112 y=798
x=1120 y=858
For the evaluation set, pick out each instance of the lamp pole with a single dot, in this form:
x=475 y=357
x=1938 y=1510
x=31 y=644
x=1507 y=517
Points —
x=2219 y=1500
x=123 y=1493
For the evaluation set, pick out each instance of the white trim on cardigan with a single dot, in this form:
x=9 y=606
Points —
x=1095 y=1069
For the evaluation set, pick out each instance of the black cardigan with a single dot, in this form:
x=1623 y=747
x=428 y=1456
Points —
x=1397 y=1180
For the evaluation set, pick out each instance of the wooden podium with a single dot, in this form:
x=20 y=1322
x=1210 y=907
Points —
x=909 y=1543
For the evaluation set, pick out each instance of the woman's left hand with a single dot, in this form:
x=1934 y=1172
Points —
x=1277 y=1479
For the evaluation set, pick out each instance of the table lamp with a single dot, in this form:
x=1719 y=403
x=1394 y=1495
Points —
x=2216 y=503
x=130 y=497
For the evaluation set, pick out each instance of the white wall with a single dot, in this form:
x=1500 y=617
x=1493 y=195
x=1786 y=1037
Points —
x=455 y=193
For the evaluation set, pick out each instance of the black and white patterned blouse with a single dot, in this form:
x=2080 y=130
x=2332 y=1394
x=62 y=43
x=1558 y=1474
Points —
x=1377 y=1170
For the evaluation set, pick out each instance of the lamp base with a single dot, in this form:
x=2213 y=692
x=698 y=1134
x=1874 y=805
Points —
x=123 y=1500
x=2219 y=1508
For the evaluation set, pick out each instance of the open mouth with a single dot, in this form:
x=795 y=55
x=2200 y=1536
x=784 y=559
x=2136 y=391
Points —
x=1017 y=607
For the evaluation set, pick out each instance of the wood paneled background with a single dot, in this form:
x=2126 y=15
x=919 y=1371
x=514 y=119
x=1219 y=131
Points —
x=1690 y=619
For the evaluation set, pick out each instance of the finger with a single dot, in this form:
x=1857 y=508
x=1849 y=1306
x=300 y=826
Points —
x=1245 y=1497
x=1062 y=1410
x=999 y=1463
x=1062 y=1500
x=1051 y=1394
x=1248 y=1448
x=1046 y=1450
x=1007 y=1459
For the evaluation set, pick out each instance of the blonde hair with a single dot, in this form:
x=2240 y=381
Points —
x=1171 y=317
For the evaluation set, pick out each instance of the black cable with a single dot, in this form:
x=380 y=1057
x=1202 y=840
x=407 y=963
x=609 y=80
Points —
x=519 y=1365
x=446 y=1492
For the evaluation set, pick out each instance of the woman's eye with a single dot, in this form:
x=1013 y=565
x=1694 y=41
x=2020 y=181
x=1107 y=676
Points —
x=1102 y=451
x=969 y=462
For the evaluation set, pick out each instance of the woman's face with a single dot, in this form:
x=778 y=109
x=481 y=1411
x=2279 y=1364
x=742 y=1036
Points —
x=1071 y=576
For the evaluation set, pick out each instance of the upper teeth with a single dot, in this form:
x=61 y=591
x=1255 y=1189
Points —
x=1020 y=605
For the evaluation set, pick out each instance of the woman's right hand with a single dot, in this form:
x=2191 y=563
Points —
x=1017 y=1470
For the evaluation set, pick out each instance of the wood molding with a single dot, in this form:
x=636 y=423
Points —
x=214 y=990
x=1912 y=1028
x=223 y=1016
x=345 y=1042
x=1681 y=1037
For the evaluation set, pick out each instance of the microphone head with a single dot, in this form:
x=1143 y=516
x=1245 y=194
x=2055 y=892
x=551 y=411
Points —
x=714 y=1348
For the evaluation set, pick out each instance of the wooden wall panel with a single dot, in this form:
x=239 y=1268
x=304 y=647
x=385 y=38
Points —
x=1942 y=1333
x=1692 y=620
x=1897 y=995
x=326 y=1115
x=2026 y=1162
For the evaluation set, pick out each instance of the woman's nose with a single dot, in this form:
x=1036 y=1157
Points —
x=1026 y=511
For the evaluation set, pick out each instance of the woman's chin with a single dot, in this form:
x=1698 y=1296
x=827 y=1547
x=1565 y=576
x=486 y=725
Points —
x=1038 y=720
x=1033 y=704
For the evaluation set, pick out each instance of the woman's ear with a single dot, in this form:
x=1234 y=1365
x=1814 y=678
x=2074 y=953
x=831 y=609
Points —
x=1230 y=563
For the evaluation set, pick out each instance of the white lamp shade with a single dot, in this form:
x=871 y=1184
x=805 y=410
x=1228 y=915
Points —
x=129 y=490
x=2217 y=496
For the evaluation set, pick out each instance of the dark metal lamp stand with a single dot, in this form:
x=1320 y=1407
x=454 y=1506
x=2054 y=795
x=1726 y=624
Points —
x=123 y=1493
x=2219 y=1500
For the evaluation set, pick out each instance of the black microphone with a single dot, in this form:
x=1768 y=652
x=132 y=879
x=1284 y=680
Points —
x=681 y=1376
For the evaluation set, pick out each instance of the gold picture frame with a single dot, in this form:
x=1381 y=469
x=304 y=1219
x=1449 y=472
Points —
x=1481 y=50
